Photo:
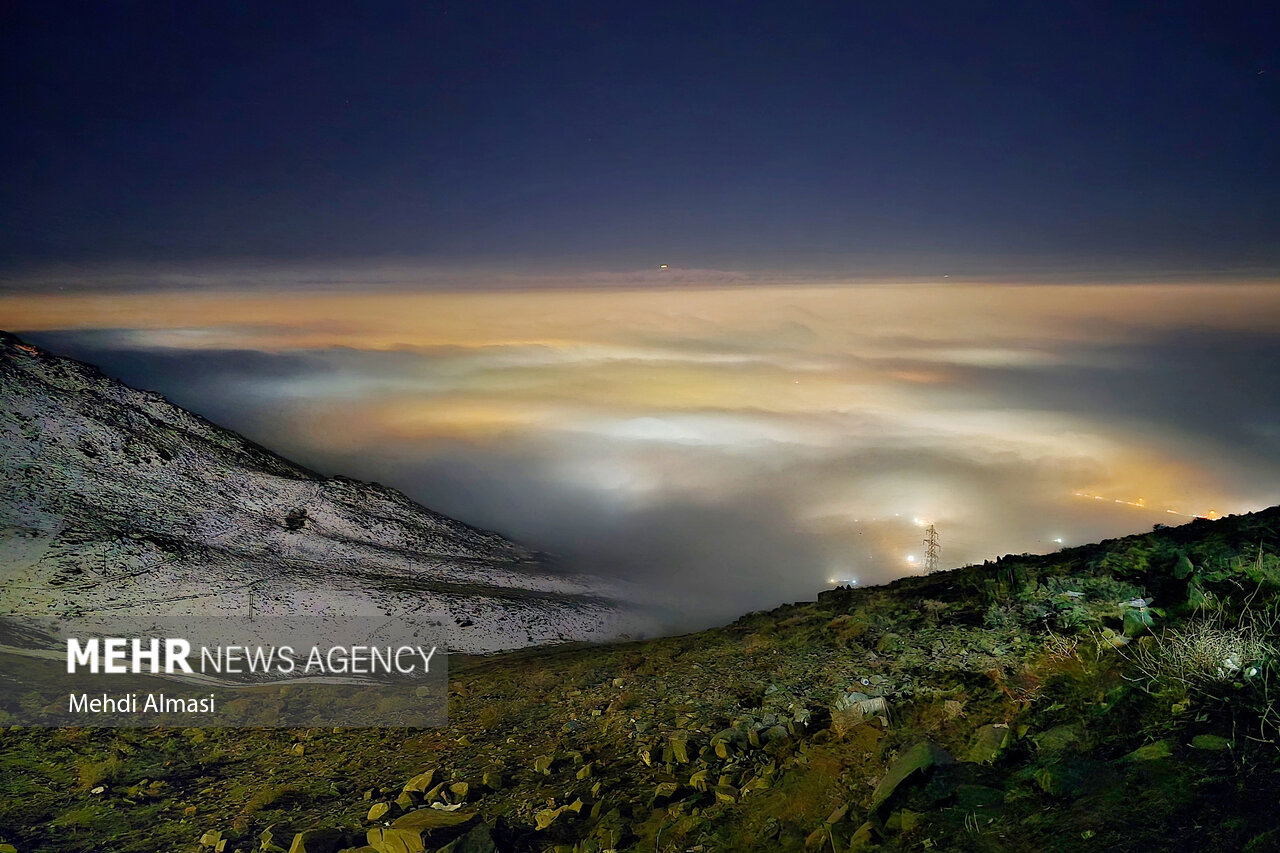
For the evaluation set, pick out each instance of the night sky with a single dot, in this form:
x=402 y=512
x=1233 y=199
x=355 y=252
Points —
x=1011 y=269
x=920 y=139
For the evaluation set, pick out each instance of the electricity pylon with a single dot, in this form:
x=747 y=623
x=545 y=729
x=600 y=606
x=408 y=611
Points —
x=932 y=549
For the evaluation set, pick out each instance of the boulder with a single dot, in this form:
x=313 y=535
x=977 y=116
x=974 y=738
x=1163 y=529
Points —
x=270 y=841
x=680 y=747
x=1213 y=742
x=776 y=734
x=988 y=742
x=1068 y=737
x=411 y=833
x=665 y=790
x=726 y=794
x=863 y=838
x=1151 y=752
x=318 y=841
x=479 y=839
x=918 y=759
x=420 y=783
x=546 y=817
x=380 y=810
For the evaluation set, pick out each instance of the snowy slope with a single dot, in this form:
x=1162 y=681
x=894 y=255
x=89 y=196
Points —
x=123 y=514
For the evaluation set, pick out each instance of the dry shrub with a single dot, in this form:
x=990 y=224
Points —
x=1205 y=653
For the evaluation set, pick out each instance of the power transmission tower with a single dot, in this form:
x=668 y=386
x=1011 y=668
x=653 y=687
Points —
x=932 y=549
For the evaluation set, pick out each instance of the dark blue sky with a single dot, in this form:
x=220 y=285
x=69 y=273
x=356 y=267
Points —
x=917 y=138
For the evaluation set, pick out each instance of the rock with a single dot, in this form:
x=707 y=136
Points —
x=380 y=810
x=8 y=848
x=546 y=817
x=478 y=840
x=460 y=791
x=1060 y=739
x=420 y=783
x=1111 y=638
x=542 y=764
x=211 y=838
x=988 y=742
x=680 y=747
x=863 y=838
x=299 y=749
x=270 y=842
x=492 y=780
x=776 y=734
x=409 y=833
x=584 y=772
x=1150 y=752
x=318 y=841
x=1214 y=742
x=921 y=757
x=726 y=794
x=979 y=798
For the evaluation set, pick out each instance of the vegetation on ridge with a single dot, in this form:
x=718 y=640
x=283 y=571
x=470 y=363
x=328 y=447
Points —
x=1119 y=696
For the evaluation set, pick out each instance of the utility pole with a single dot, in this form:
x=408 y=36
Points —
x=932 y=549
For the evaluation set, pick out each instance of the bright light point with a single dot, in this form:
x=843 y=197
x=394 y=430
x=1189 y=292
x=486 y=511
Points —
x=917 y=522
x=1058 y=540
x=662 y=266
x=911 y=558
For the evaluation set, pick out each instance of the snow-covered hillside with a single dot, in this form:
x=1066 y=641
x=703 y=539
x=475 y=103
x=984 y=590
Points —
x=125 y=515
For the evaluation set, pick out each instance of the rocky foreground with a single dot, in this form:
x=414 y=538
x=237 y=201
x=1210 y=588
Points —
x=1118 y=696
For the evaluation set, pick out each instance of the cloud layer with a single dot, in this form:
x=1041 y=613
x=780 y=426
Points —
x=732 y=448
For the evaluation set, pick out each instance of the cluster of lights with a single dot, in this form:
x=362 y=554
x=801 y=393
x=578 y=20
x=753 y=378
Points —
x=1141 y=503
